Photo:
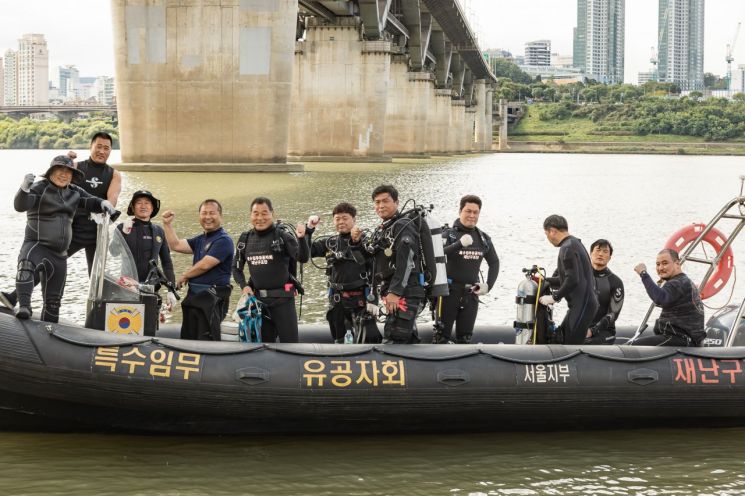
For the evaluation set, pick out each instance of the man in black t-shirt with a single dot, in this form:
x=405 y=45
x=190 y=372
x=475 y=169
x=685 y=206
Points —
x=100 y=180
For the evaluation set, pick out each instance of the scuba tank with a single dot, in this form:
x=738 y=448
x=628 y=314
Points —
x=527 y=293
x=433 y=255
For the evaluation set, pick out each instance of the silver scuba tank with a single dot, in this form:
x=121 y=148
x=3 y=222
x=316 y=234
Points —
x=525 y=318
x=434 y=254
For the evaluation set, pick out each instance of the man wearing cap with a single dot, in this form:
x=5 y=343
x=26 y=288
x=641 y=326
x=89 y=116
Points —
x=100 y=180
x=147 y=241
x=50 y=205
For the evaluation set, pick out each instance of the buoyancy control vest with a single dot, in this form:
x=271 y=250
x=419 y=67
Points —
x=271 y=256
x=412 y=242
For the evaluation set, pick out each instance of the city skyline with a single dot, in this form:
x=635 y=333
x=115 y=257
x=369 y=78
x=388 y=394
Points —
x=80 y=33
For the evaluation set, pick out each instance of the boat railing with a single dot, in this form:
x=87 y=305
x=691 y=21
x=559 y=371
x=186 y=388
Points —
x=726 y=213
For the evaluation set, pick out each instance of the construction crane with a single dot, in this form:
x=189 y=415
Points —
x=729 y=58
x=653 y=60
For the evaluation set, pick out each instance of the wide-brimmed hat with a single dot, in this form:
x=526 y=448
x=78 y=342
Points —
x=63 y=161
x=143 y=193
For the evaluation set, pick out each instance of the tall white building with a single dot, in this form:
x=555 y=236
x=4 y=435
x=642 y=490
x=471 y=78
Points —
x=10 y=78
x=538 y=53
x=105 y=90
x=599 y=39
x=67 y=81
x=681 y=43
x=33 y=70
x=2 y=82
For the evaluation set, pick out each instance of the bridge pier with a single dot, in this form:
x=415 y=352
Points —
x=407 y=113
x=341 y=93
x=204 y=85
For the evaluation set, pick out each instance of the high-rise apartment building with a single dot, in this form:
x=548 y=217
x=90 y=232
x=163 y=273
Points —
x=10 y=78
x=105 y=90
x=2 y=82
x=538 y=53
x=680 y=48
x=599 y=39
x=67 y=80
x=33 y=70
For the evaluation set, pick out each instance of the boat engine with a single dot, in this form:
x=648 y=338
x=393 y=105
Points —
x=718 y=328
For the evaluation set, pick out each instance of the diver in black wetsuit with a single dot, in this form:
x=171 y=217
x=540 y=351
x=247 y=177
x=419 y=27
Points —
x=397 y=260
x=147 y=242
x=49 y=205
x=610 y=295
x=572 y=280
x=272 y=254
x=465 y=246
x=347 y=274
x=100 y=180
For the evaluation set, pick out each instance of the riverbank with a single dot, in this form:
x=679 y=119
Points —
x=623 y=147
x=577 y=131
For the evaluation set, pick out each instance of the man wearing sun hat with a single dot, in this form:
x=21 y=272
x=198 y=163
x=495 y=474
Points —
x=147 y=241
x=50 y=205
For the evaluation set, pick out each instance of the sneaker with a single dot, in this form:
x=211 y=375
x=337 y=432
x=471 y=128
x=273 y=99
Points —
x=7 y=300
x=24 y=313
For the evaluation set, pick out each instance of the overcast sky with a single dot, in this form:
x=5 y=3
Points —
x=79 y=31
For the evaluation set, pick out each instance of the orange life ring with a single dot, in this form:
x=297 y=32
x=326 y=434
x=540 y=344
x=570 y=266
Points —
x=686 y=235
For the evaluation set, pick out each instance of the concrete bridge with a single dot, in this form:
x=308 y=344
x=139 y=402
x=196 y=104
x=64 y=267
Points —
x=245 y=84
x=66 y=112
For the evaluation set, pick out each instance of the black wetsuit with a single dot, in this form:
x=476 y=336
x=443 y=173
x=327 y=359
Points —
x=43 y=255
x=461 y=306
x=271 y=255
x=574 y=281
x=610 y=301
x=97 y=180
x=681 y=322
x=347 y=281
x=396 y=269
x=147 y=242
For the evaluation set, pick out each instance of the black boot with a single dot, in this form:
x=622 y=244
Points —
x=24 y=313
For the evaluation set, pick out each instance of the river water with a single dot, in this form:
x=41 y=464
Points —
x=635 y=201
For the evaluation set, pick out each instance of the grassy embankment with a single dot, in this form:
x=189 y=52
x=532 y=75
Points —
x=582 y=135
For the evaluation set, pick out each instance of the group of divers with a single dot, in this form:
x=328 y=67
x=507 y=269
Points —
x=386 y=270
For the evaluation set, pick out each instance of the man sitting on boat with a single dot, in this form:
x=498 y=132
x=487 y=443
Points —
x=572 y=280
x=610 y=295
x=681 y=322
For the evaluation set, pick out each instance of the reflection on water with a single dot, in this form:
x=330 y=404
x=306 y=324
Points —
x=635 y=201
x=625 y=462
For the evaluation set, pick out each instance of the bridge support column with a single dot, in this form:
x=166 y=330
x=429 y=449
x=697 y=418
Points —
x=469 y=129
x=204 y=85
x=439 y=122
x=479 y=94
x=341 y=94
x=503 y=121
x=407 y=111
x=457 y=121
